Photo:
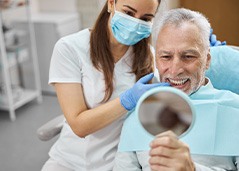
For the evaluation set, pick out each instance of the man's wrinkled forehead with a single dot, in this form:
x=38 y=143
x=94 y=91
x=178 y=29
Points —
x=179 y=35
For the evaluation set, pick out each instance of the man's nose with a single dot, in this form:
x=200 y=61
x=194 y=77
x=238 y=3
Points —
x=176 y=66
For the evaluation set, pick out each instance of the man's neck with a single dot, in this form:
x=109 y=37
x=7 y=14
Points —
x=203 y=83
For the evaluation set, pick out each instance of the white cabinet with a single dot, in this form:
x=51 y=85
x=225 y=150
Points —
x=13 y=55
x=50 y=27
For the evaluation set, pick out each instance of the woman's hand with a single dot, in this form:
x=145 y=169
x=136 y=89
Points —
x=213 y=40
x=130 y=97
x=168 y=153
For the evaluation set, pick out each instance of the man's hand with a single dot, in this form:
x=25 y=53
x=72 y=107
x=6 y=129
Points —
x=168 y=153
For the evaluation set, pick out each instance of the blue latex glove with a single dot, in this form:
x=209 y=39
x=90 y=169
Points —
x=130 y=97
x=214 y=41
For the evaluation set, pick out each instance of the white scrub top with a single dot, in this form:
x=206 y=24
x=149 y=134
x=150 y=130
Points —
x=71 y=63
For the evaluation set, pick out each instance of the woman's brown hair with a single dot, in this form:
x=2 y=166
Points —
x=102 y=57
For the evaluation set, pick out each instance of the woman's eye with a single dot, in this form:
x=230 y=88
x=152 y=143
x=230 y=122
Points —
x=146 y=19
x=129 y=13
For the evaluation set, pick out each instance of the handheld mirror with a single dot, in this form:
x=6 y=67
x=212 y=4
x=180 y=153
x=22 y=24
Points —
x=165 y=108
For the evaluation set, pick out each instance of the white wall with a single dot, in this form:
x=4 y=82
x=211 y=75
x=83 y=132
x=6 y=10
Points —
x=88 y=9
x=101 y=3
x=57 y=5
x=34 y=6
x=173 y=4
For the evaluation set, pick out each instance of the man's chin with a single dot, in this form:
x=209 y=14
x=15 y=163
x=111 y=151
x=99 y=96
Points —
x=187 y=91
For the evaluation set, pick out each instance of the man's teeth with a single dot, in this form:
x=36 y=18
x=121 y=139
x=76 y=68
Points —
x=178 y=82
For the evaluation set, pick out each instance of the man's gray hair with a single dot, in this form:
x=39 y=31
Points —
x=177 y=17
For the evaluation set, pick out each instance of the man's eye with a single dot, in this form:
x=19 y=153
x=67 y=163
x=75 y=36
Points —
x=188 y=56
x=166 y=57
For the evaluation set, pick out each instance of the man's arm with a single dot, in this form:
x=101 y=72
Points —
x=237 y=162
x=199 y=167
x=169 y=153
x=126 y=161
x=215 y=163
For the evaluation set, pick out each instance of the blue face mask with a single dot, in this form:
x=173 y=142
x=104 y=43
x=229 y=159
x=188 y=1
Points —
x=129 y=30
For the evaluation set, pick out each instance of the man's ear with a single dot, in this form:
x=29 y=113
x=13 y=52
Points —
x=208 y=59
x=110 y=5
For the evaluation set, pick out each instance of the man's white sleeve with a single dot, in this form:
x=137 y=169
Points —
x=126 y=161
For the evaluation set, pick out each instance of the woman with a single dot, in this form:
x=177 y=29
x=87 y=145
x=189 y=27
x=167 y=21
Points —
x=90 y=70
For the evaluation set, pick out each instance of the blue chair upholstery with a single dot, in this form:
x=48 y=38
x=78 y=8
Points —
x=224 y=69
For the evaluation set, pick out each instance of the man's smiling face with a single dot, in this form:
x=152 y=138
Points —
x=181 y=59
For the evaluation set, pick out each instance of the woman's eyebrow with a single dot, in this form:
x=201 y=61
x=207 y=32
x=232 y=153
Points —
x=151 y=15
x=130 y=8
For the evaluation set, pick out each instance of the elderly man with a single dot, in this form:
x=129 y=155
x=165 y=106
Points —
x=182 y=57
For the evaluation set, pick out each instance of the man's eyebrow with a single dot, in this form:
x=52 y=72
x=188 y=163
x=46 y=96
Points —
x=191 y=51
x=164 y=52
x=151 y=15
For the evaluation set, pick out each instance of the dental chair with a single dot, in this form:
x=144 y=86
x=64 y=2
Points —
x=223 y=73
x=51 y=128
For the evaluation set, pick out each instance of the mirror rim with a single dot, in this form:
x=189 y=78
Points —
x=173 y=90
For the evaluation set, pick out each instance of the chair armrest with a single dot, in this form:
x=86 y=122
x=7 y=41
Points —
x=51 y=128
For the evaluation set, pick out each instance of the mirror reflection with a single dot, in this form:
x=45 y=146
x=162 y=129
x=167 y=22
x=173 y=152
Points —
x=165 y=111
